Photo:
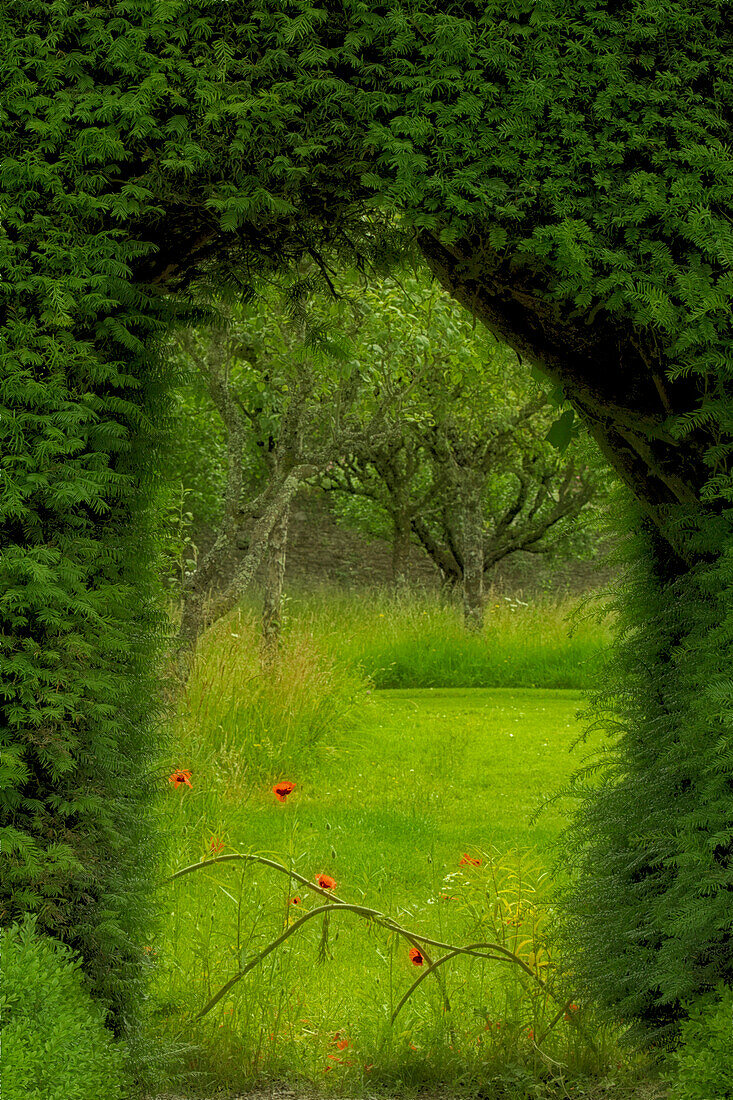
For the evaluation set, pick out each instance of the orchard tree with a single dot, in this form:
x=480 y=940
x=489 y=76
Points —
x=460 y=460
x=494 y=494
x=280 y=406
x=567 y=175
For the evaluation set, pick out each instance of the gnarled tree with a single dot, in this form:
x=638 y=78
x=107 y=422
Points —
x=279 y=408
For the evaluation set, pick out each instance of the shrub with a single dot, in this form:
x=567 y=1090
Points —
x=54 y=1042
x=703 y=1062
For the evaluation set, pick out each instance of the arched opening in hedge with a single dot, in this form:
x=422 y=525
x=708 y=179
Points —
x=566 y=176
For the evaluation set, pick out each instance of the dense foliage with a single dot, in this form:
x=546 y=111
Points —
x=54 y=1042
x=702 y=1066
x=565 y=170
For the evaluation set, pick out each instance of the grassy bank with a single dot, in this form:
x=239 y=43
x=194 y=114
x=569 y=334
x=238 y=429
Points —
x=420 y=641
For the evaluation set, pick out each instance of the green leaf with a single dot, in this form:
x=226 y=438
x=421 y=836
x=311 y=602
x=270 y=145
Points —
x=561 y=431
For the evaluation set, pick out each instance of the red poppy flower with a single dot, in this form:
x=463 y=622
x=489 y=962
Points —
x=342 y=1043
x=217 y=845
x=416 y=956
x=180 y=776
x=295 y=900
x=471 y=860
x=569 y=1014
x=326 y=882
x=283 y=789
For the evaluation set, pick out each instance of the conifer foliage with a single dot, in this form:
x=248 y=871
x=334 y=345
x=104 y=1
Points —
x=566 y=172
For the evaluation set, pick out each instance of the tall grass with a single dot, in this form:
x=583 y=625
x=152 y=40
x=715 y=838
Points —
x=419 y=641
x=240 y=723
x=331 y=1007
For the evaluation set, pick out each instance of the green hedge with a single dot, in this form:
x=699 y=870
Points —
x=567 y=170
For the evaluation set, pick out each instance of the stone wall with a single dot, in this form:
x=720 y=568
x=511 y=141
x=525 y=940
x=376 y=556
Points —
x=320 y=553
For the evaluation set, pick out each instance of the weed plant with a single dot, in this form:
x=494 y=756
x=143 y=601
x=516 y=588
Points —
x=54 y=1042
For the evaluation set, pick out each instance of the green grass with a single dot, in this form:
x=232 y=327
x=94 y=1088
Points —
x=393 y=787
x=420 y=642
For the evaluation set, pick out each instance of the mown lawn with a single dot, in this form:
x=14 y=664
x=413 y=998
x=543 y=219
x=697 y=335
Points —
x=424 y=776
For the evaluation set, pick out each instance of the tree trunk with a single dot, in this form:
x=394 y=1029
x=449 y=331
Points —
x=472 y=548
x=201 y=606
x=451 y=571
x=274 y=578
x=401 y=530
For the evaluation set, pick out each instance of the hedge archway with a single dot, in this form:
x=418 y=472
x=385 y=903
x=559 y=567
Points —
x=564 y=169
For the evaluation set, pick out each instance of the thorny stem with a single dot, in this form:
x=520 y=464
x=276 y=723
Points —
x=470 y=950
x=322 y=909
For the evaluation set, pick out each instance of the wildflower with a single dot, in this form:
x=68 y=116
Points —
x=217 y=845
x=179 y=776
x=416 y=956
x=326 y=882
x=470 y=860
x=283 y=789
x=295 y=900
x=530 y=1032
x=341 y=1041
x=569 y=1014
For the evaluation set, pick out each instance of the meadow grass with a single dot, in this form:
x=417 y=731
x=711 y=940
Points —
x=419 y=640
x=394 y=789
